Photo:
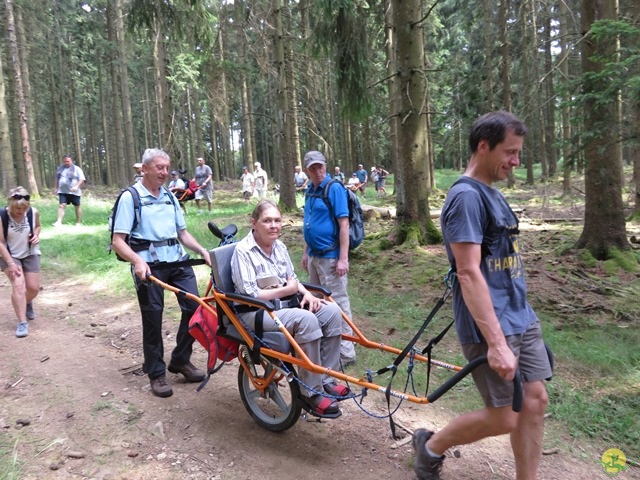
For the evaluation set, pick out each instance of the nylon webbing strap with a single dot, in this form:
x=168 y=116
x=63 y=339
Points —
x=415 y=338
x=183 y=263
x=403 y=354
x=394 y=367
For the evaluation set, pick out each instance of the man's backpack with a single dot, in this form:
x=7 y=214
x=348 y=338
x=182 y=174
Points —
x=356 y=217
x=203 y=326
x=136 y=218
x=4 y=215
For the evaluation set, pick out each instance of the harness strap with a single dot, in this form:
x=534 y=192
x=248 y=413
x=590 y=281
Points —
x=409 y=347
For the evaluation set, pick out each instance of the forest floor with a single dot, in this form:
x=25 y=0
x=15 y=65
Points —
x=74 y=405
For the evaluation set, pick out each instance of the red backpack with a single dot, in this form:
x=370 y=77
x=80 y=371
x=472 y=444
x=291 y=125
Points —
x=203 y=326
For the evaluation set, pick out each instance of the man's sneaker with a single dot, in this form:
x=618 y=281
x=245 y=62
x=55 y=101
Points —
x=160 y=387
x=30 y=313
x=22 y=330
x=56 y=224
x=426 y=466
x=191 y=373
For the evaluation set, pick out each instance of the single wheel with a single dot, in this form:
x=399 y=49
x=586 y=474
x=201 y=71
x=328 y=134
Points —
x=278 y=408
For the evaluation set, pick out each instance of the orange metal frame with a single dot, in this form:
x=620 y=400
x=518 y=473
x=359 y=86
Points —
x=300 y=359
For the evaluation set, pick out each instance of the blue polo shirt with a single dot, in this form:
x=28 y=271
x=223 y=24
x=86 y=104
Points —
x=160 y=220
x=320 y=229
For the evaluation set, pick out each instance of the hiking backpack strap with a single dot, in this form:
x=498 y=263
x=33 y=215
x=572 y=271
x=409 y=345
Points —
x=4 y=215
x=325 y=199
x=486 y=246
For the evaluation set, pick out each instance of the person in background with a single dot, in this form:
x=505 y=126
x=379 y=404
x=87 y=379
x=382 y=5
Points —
x=138 y=175
x=382 y=180
x=338 y=175
x=361 y=173
x=491 y=311
x=203 y=177
x=248 y=184
x=374 y=178
x=261 y=267
x=326 y=249
x=69 y=179
x=260 y=179
x=176 y=184
x=155 y=245
x=20 y=254
x=354 y=183
x=300 y=178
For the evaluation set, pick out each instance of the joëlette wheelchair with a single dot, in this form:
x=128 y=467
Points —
x=267 y=381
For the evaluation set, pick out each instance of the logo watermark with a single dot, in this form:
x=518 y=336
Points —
x=614 y=461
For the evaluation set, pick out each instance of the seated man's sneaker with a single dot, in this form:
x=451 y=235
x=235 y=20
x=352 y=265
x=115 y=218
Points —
x=22 y=330
x=30 y=313
x=427 y=467
x=190 y=373
x=160 y=387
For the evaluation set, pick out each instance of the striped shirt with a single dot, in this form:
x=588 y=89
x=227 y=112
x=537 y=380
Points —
x=250 y=262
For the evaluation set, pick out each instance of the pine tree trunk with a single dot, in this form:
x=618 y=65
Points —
x=108 y=164
x=23 y=52
x=550 y=131
x=604 y=223
x=116 y=106
x=127 y=115
x=7 y=172
x=283 y=134
x=23 y=114
x=563 y=18
x=413 y=224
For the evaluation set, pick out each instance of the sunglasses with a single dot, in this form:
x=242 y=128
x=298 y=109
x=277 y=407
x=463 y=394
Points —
x=21 y=197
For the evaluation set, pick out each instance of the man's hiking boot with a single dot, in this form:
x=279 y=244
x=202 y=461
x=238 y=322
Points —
x=160 y=387
x=426 y=466
x=190 y=373
x=30 y=313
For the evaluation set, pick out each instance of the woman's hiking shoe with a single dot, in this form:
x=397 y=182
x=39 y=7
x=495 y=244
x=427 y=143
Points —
x=323 y=406
x=160 y=387
x=188 y=370
x=426 y=466
x=22 y=330
x=30 y=313
x=337 y=390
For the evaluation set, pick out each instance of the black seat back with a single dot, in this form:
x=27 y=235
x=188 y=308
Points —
x=221 y=267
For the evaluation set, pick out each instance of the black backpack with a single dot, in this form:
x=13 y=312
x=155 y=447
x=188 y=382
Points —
x=136 y=218
x=356 y=217
x=4 y=215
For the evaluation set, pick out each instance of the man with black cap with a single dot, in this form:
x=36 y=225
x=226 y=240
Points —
x=326 y=236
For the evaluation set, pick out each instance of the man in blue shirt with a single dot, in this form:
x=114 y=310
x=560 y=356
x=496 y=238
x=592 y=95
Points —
x=361 y=173
x=326 y=252
x=491 y=311
x=156 y=242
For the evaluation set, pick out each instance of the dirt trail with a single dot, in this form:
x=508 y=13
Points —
x=66 y=381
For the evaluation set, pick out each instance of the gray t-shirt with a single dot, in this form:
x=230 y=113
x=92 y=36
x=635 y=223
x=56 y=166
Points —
x=202 y=173
x=465 y=219
x=68 y=177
